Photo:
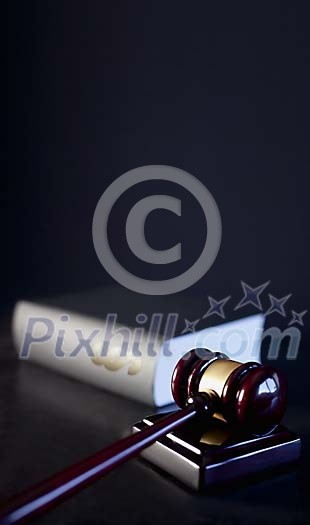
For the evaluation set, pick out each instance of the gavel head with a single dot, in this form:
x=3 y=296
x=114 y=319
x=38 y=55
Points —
x=249 y=394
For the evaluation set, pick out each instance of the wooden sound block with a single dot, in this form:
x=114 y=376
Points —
x=202 y=458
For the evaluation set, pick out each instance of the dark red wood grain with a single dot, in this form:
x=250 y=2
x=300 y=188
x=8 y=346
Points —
x=253 y=397
x=50 y=492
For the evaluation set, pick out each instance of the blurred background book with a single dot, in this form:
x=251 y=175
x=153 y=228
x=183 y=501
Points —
x=75 y=335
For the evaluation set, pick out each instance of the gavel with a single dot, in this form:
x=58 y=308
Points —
x=204 y=384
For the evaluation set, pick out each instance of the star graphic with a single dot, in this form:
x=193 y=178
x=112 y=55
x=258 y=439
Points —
x=216 y=307
x=297 y=318
x=190 y=326
x=251 y=295
x=277 y=305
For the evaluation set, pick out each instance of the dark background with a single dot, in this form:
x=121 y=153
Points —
x=217 y=89
x=97 y=88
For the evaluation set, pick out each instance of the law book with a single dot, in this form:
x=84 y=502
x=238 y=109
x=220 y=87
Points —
x=127 y=345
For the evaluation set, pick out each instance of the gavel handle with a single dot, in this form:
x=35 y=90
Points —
x=49 y=493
